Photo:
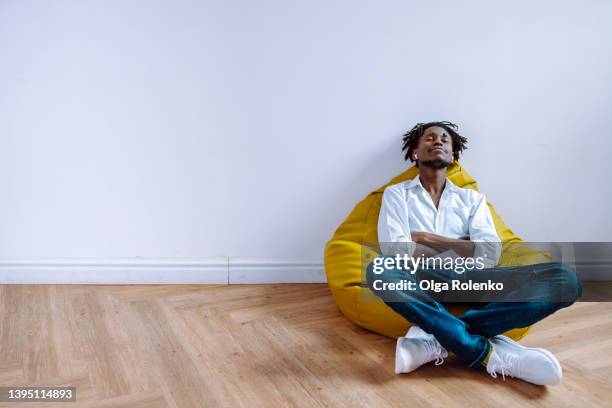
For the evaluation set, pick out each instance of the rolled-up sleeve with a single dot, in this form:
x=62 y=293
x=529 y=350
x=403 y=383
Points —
x=393 y=228
x=482 y=231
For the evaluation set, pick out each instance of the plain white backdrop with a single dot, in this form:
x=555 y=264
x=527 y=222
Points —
x=243 y=129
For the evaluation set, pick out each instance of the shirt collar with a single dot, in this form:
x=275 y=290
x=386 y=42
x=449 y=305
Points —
x=416 y=182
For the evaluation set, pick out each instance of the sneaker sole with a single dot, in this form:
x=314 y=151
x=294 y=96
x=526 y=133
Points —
x=547 y=353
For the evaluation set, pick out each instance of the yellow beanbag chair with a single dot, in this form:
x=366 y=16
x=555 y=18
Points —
x=346 y=256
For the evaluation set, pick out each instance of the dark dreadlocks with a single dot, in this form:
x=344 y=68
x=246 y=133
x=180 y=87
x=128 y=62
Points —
x=411 y=138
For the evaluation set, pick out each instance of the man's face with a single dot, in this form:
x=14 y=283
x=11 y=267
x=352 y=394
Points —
x=435 y=148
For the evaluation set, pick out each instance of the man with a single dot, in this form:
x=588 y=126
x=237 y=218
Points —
x=429 y=215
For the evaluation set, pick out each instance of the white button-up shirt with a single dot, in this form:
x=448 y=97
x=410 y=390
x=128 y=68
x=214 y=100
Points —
x=461 y=213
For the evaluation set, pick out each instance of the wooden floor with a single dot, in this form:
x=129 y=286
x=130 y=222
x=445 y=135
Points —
x=261 y=345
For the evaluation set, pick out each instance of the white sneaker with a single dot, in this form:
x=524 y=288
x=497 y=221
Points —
x=417 y=348
x=536 y=366
x=550 y=355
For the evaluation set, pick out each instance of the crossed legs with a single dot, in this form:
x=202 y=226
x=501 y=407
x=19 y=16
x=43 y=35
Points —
x=467 y=335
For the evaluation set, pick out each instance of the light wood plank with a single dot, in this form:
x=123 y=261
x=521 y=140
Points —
x=261 y=345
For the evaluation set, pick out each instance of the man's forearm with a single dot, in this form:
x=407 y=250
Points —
x=463 y=247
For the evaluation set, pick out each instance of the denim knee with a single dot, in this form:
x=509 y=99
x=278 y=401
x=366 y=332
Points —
x=571 y=282
x=370 y=276
x=388 y=275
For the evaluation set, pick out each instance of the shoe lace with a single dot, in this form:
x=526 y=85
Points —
x=505 y=365
x=435 y=349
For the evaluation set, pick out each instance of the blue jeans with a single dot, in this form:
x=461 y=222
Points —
x=467 y=335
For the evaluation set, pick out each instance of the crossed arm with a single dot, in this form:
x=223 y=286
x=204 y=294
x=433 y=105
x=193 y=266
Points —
x=395 y=235
x=432 y=244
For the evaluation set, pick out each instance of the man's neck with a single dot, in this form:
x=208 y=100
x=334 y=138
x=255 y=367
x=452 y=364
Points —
x=433 y=180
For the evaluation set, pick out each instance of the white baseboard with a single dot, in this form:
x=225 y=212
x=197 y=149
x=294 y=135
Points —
x=110 y=271
x=594 y=270
x=116 y=271
x=245 y=270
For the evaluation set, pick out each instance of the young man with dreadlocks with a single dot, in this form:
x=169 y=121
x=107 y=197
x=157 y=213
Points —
x=428 y=215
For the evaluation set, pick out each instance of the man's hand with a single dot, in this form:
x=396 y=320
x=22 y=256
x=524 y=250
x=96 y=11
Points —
x=422 y=237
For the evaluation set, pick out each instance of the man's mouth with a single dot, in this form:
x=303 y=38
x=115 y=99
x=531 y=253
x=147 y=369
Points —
x=437 y=148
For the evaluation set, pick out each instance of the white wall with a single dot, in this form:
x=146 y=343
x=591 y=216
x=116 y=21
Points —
x=250 y=129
